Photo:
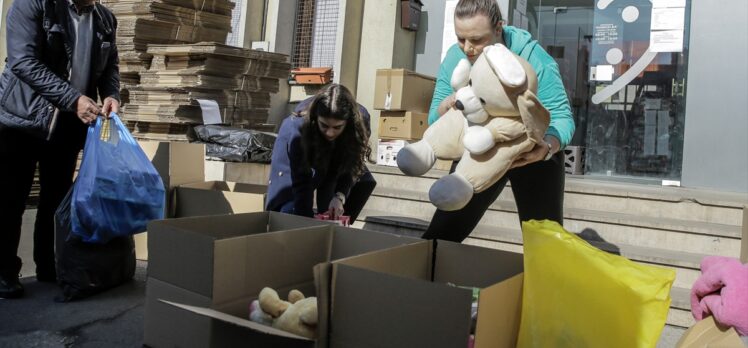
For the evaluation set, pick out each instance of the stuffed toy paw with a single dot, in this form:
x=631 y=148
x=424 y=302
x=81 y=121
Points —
x=722 y=291
x=496 y=118
x=298 y=315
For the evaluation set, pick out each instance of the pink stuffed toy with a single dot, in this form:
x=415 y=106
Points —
x=722 y=291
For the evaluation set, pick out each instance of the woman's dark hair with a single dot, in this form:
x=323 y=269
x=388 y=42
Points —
x=488 y=8
x=351 y=149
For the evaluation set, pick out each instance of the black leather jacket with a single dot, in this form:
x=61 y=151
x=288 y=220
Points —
x=34 y=86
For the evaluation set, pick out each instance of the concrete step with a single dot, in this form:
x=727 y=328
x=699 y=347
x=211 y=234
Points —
x=484 y=236
x=624 y=228
x=636 y=199
x=686 y=265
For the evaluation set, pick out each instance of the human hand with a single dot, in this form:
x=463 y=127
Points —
x=87 y=110
x=538 y=153
x=336 y=206
x=110 y=105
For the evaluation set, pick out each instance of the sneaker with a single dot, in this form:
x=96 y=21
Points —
x=10 y=287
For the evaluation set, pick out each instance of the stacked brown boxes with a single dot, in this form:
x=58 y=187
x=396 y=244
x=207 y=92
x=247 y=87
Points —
x=404 y=98
x=163 y=76
x=143 y=22
x=238 y=80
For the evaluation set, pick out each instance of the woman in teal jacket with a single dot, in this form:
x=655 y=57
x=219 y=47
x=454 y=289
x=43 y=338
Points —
x=537 y=177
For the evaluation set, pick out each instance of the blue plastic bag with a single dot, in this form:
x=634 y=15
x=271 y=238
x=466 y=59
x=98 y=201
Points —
x=118 y=191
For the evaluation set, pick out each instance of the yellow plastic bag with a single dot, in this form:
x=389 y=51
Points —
x=576 y=295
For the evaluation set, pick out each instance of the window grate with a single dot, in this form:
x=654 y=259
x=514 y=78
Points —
x=236 y=25
x=303 y=34
x=325 y=33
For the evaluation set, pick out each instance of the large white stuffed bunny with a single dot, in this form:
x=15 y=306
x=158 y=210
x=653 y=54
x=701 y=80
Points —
x=496 y=118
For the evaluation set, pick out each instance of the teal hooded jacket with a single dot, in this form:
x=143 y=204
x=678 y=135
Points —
x=551 y=90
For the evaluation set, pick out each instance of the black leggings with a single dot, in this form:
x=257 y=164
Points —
x=538 y=191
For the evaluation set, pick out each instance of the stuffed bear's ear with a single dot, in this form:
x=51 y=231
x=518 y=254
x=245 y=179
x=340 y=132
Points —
x=505 y=65
x=461 y=74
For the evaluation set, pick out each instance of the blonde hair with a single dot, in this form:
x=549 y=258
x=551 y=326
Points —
x=471 y=8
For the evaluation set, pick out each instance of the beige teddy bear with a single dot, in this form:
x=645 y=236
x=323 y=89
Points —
x=497 y=117
x=298 y=315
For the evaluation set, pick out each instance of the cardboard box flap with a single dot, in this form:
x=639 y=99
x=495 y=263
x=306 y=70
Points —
x=227 y=186
x=180 y=257
x=708 y=333
x=189 y=168
x=498 y=322
x=273 y=259
x=218 y=198
x=349 y=242
x=183 y=254
x=280 y=221
x=365 y=302
x=230 y=319
x=468 y=265
x=413 y=260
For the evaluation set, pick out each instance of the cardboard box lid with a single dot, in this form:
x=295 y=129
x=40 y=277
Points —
x=230 y=319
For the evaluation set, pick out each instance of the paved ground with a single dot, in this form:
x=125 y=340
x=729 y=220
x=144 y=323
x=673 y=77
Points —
x=111 y=319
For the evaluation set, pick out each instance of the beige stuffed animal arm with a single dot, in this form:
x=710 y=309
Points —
x=535 y=116
x=505 y=129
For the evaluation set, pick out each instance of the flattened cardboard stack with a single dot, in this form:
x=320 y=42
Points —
x=143 y=22
x=238 y=80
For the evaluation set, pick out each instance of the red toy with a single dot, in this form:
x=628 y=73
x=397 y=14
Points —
x=342 y=220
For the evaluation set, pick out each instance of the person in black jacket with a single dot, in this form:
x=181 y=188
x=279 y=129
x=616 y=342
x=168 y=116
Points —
x=322 y=149
x=62 y=56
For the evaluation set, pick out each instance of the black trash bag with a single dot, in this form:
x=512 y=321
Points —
x=236 y=144
x=85 y=269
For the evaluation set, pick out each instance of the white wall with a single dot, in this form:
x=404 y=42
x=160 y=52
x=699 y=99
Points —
x=383 y=45
x=279 y=31
x=4 y=5
x=715 y=150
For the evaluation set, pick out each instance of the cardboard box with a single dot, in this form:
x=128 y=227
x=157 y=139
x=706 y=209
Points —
x=401 y=89
x=387 y=151
x=406 y=125
x=708 y=333
x=218 y=198
x=403 y=297
x=177 y=163
x=209 y=269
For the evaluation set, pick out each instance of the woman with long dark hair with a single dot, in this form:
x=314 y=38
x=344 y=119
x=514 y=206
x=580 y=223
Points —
x=323 y=146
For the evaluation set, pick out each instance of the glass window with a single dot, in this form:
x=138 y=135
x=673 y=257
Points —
x=624 y=65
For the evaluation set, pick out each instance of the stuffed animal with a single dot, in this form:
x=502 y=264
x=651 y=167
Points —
x=298 y=315
x=722 y=291
x=497 y=117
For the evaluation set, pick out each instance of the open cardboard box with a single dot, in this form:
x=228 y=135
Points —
x=218 y=198
x=404 y=297
x=206 y=271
